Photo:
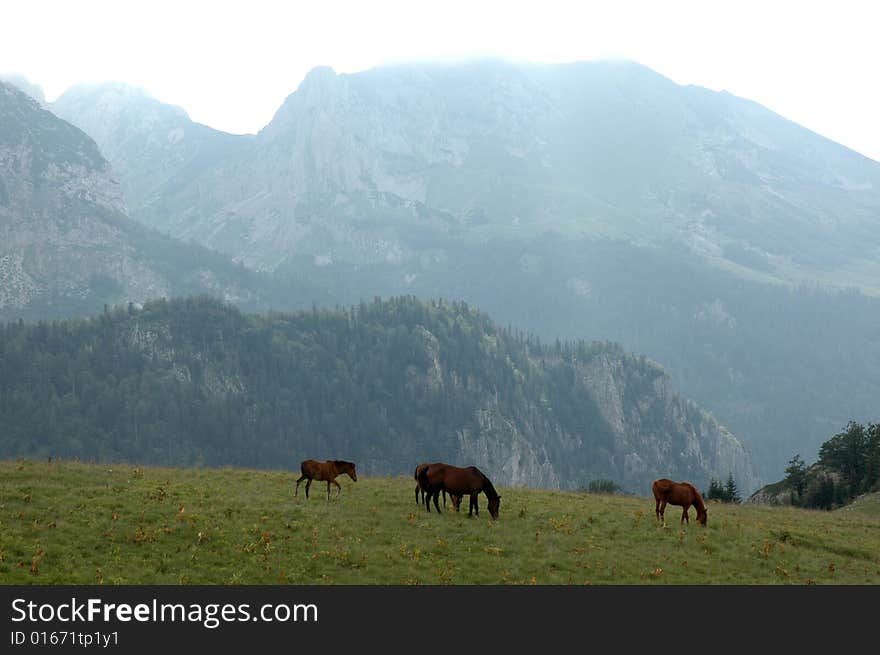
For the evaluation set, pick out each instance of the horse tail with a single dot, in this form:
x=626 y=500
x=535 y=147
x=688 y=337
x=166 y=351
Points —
x=422 y=477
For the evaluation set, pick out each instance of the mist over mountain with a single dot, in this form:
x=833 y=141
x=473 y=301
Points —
x=594 y=200
x=355 y=164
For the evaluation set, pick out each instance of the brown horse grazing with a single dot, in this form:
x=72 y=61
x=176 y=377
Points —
x=458 y=481
x=312 y=469
x=456 y=500
x=678 y=493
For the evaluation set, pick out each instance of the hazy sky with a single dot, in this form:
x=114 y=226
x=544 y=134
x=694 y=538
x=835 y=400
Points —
x=231 y=64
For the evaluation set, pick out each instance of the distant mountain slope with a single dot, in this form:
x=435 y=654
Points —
x=376 y=165
x=24 y=85
x=388 y=384
x=66 y=244
x=150 y=145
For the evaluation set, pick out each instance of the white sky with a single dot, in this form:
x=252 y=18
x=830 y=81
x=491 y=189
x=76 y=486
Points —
x=231 y=64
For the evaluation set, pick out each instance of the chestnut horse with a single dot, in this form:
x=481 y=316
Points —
x=312 y=469
x=458 y=481
x=456 y=500
x=678 y=493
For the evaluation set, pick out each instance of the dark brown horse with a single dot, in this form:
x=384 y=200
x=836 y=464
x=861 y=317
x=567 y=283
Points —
x=458 y=481
x=678 y=493
x=456 y=500
x=312 y=469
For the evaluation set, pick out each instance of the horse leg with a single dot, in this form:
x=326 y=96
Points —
x=328 y=489
x=338 y=488
x=476 y=499
x=657 y=508
x=684 y=515
x=444 y=499
x=663 y=512
x=301 y=478
x=417 y=493
x=436 y=504
x=308 y=484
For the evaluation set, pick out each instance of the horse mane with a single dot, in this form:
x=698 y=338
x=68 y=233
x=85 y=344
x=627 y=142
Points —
x=488 y=488
x=698 y=497
x=342 y=462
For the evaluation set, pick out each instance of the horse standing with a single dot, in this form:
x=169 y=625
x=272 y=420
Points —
x=456 y=500
x=678 y=493
x=312 y=469
x=458 y=481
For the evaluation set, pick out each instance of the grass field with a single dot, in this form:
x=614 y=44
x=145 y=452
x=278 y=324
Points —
x=74 y=523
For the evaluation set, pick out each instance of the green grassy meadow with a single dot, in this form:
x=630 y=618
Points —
x=76 y=523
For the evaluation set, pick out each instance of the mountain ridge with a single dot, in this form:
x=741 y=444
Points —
x=400 y=129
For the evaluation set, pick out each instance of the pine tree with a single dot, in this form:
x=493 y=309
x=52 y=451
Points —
x=796 y=476
x=716 y=491
x=731 y=491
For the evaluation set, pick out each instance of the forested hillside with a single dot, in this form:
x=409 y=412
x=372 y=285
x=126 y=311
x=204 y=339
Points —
x=848 y=467
x=387 y=384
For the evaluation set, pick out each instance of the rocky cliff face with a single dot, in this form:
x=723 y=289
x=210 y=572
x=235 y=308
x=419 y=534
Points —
x=649 y=431
x=655 y=428
x=58 y=206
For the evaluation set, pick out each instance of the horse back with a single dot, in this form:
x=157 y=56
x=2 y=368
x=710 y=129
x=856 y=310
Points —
x=314 y=469
x=662 y=487
x=454 y=479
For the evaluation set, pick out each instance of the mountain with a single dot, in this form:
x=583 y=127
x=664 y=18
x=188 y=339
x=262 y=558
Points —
x=66 y=243
x=387 y=384
x=24 y=85
x=593 y=200
x=151 y=145
x=373 y=165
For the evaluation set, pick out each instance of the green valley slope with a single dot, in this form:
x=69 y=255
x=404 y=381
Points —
x=72 y=523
